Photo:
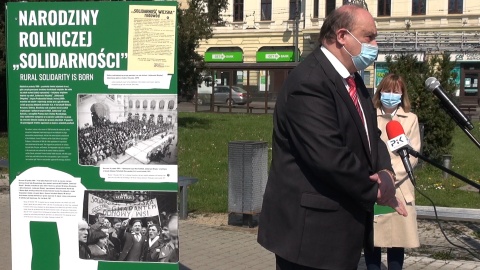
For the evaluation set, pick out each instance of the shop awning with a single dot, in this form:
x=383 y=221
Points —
x=224 y=55
x=275 y=54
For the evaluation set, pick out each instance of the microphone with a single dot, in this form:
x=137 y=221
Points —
x=398 y=142
x=433 y=85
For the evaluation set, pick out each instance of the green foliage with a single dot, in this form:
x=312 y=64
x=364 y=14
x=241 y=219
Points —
x=438 y=125
x=215 y=7
x=194 y=25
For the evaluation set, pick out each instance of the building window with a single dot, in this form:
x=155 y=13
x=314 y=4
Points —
x=266 y=7
x=315 y=9
x=455 y=6
x=383 y=8
x=238 y=10
x=293 y=9
x=171 y=104
x=329 y=7
x=366 y=77
x=418 y=7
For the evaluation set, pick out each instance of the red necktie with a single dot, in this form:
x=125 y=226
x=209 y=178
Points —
x=353 y=94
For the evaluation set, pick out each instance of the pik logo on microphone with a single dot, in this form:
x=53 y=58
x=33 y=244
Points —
x=397 y=142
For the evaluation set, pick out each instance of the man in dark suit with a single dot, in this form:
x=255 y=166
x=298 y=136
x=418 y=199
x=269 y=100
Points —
x=158 y=248
x=155 y=242
x=133 y=242
x=329 y=165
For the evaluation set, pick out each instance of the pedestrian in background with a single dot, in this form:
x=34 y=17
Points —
x=391 y=230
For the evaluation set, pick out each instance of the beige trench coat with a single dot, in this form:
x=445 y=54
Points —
x=394 y=230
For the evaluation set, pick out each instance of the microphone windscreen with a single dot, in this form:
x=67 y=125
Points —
x=431 y=83
x=394 y=129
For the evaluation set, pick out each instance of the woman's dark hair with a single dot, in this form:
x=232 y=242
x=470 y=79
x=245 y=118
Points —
x=96 y=235
x=389 y=82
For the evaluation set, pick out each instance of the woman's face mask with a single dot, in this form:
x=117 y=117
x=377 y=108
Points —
x=390 y=100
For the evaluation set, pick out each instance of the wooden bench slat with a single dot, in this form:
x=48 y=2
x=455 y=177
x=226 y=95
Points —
x=449 y=213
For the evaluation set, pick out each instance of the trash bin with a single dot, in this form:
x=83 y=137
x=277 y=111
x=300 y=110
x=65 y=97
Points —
x=247 y=177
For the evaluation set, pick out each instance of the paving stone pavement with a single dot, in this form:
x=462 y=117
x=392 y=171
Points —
x=208 y=242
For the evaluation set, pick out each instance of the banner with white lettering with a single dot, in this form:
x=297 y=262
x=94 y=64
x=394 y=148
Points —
x=110 y=209
x=92 y=117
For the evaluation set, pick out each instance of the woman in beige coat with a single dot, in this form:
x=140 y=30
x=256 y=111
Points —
x=393 y=231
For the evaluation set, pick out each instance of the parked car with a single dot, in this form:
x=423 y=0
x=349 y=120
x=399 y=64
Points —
x=221 y=94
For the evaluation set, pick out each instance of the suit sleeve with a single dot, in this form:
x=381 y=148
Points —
x=318 y=128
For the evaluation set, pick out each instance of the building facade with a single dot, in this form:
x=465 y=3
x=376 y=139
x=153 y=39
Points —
x=267 y=31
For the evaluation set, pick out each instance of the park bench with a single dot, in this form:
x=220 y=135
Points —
x=219 y=106
x=468 y=105
x=449 y=213
x=248 y=108
x=251 y=108
x=3 y=163
x=183 y=183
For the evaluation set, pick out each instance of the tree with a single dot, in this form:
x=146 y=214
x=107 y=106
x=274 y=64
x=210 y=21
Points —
x=194 y=25
x=438 y=126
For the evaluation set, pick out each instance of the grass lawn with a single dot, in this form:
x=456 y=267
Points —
x=203 y=153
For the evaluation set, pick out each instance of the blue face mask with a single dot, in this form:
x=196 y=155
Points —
x=390 y=100
x=367 y=55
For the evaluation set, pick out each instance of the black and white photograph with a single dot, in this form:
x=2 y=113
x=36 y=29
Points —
x=129 y=226
x=127 y=129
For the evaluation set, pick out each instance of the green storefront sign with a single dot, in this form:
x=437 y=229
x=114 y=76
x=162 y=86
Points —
x=231 y=57
x=277 y=56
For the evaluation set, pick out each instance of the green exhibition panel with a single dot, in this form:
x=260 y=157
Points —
x=92 y=111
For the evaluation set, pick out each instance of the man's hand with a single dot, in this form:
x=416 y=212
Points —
x=396 y=204
x=386 y=192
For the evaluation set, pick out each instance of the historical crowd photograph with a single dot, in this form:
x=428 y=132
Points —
x=129 y=226
x=127 y=129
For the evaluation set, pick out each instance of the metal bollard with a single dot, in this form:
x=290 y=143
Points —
x=447 y=163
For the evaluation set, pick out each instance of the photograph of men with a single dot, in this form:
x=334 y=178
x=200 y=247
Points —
x=126 y=216
x=132 y=241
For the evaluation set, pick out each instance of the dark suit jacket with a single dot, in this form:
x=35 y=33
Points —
x=152 y=254
x=160 y=251
x=127 y=241
x=318 y=203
